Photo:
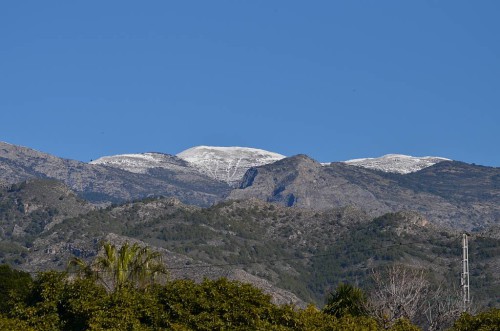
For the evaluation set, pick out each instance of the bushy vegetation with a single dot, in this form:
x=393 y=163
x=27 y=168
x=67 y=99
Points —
x=346 y=300
x=13 y=284
x=55 y=302
x=484 y=321
x=61 y=301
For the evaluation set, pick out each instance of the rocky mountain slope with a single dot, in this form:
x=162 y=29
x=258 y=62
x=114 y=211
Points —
x=28 y=208
x=448 y=193
x=397 y=163
x=100 y=183
x=81 y=236
x=228 y=164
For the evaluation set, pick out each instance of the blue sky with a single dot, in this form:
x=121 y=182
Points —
x=332 y=79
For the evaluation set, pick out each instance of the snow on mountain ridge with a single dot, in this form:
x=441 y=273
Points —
x=397 y=163
x=141 y=163
x=228 y=164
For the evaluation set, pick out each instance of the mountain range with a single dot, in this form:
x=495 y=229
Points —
x=229 y=164
x=446 y=192
x=291 y=225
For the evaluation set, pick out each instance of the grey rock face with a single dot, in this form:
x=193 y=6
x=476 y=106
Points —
x=31 y=207
x=449 y=193
x=302 y=182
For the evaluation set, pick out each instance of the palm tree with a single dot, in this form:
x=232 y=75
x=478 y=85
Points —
x=128 y=265
x=346 y=300
x=81 y=268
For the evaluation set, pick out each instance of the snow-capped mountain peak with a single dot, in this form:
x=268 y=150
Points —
x=397 y=163
x=228 y=164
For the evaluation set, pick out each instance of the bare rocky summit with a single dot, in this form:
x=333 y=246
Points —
x=302 y=182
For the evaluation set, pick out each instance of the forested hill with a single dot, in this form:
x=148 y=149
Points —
x=302 y=251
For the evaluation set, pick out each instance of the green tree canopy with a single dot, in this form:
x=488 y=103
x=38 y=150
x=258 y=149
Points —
x=485 y=321
x=13 y=283
x=127 y=265
x=346 y=300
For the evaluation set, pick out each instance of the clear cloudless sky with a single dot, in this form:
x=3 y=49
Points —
x=331 y=79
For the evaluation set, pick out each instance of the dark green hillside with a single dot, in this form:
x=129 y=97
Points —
x=391 y=239
x=43 y=224
x=304 y=251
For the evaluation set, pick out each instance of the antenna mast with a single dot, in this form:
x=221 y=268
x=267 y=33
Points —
x=465 y=272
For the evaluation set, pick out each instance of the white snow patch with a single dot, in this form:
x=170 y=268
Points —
x=397 y=163
x=141 y=163
x=228 y=164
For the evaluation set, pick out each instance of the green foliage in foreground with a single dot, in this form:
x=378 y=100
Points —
x=131 y=265
x=346 y=300
x=485 y=321
x=13 y=284
x=54 y=301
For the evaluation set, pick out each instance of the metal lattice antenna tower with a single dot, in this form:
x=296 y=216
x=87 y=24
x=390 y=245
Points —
x=465 y=272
